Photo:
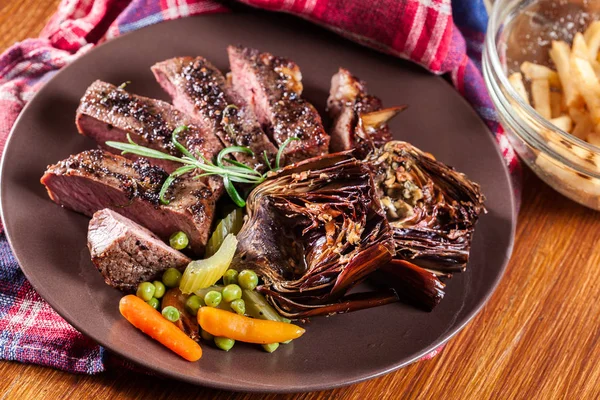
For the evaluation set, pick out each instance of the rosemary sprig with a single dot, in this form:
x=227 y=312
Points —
x=124 y=85
x=230 y=170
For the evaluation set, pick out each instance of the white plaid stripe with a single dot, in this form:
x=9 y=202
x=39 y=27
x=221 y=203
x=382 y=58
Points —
x=441 y=22
x=416 y=29
x=184 y=11
x=204 y=6
x=444 y=7
x=309 y=6
x=287 y=5
x=172 y=9
x=25 y=317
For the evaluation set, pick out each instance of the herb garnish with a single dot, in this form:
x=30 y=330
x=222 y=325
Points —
x=124 y=85
x=232 y=172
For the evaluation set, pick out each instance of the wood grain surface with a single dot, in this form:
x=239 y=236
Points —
x=537 y=338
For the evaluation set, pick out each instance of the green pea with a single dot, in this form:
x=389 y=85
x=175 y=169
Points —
x=239 y=306
x=154 y=302
x=160 y=289
x=213 y=298
x=271 y=347
x=179 y=240
x=193 y=304
x=145 y=291
x=232 y=292
x=170 y=313
x=206 y=336
x=224 y=343
x=248 y=279
x=230 y=277
x=171 y=277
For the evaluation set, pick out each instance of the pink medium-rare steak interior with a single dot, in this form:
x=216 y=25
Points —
x=126 y=253
x=107 y=112
x=272 y=87
x=94 y=180
x=199 y=89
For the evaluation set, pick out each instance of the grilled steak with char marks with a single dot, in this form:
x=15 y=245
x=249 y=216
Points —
x=272 y=87
x=107 y=112
x=126 y=253
x=95 y=179
x=198 y=88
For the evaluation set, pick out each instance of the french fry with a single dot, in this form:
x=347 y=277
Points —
x=516 y=80
x=580 y=49
x=575 y=109
x=540 y=94
x=588 y=85
x=548 y=165
x=556 y=104
x=561 y=55
x=592 y=39
x=575 y=154
x=564 y=122
x=583 y=127
x=577 y=114
x=594 y=138
x=535 y=71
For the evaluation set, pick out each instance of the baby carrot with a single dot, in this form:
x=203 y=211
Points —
x=238 y=327
x=151 y=322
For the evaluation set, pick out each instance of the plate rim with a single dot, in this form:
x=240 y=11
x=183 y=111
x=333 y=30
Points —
x=233 y=387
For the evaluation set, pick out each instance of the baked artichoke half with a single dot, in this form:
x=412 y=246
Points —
x=315 y=229
x=431 y=207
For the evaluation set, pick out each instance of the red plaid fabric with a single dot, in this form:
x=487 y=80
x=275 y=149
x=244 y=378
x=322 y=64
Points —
x=423 y=31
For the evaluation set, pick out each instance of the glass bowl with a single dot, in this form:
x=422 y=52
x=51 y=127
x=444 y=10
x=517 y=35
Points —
x=521 y=31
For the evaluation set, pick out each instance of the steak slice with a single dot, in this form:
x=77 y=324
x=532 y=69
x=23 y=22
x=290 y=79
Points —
x=107 y=112
x=95 y=179
x=272 y=87
x=200 y=89
x=126 y=253
x=359 y=120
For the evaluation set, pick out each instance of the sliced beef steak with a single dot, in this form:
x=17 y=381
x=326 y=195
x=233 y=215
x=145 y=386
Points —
x=359 y=122
x=95 y=179
x=107 y=112
x=126 y=253
x=200 y=89
x=272 y=87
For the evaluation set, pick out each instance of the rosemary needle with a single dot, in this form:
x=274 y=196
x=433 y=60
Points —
x=230 y=170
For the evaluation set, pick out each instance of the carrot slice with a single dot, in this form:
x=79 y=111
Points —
x=151 y=322
x=223 y=323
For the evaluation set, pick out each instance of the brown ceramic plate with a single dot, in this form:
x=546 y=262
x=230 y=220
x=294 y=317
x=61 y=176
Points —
x=50 y=242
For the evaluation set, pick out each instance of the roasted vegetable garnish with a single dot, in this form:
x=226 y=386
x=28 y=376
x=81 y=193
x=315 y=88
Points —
x=315 y=230
x=152 y=323
x=414 y=284
x=359 y=119
x=232 y=223
x=200 y=274
x=431 y=207
x=187 y=322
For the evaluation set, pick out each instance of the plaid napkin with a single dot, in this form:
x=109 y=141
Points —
x=444 y=36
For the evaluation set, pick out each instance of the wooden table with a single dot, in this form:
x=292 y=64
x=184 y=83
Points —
x=538 y=337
